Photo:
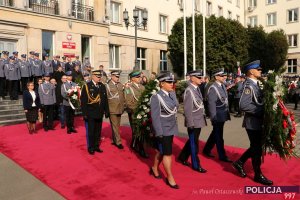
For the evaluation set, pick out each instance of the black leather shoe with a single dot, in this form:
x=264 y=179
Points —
x=63 y=126
x=200 y=170
x=91 y=152
x=73 y=130
x=226 y=160
x=238 y=166
x=262 y=179
x=152 y=173
x=208 y=154
x=46 y=129
x=185 y=163
x=68 y=131
x=52 y=129
x=172 y=186
x=99 y=150
x=120 y=146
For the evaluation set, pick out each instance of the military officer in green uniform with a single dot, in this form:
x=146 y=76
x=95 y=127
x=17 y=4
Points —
x=116 y=101
x=132 y=94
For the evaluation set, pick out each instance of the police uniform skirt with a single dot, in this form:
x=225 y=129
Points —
x=164 y=145
x=32 y=115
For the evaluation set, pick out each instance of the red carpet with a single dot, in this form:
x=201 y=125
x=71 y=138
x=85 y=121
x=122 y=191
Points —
x=62 y=162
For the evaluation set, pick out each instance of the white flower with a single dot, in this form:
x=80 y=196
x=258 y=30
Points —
x=147 y=110
x=146 y=100
x=144 y=107
x=145 y=116
x=142 y=113
x=139 y=116
x=148 y=128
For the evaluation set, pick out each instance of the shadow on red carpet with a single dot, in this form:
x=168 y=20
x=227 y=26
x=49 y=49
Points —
x=61 y=161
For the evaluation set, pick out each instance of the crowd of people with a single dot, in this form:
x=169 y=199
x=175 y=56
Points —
x=48 y=87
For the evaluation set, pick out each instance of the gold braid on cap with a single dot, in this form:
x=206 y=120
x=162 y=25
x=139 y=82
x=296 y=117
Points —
x=91 y=100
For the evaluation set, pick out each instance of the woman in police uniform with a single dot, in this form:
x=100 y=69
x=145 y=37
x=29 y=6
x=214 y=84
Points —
x=163 y=113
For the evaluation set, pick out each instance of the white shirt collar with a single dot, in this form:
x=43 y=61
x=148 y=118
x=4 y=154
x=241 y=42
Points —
x=94 y=82
x=164 y=91
x=195 y=86
x=218 y=82
x=254 y=80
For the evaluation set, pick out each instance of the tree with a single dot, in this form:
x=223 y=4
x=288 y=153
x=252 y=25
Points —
x=226 y=43
x=270 y=48
x=276 y=48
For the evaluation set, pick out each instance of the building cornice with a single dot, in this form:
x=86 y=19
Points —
x=57 y=17
x=12 y=23
x=139 y=38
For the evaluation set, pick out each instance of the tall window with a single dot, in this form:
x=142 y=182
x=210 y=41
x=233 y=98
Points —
x=47 y=43
x=252 y=21
x=293 y=40
x=208 y=8
x=293 y=15
x=163 y=61
x=238 y=3
x=115 y=12
x=220 y=11
x=252 y=3
x=292 y=65
x=271 y=19
x=114 y=56
x=271 y=1
x=163 y=24
x=141 y=57
x=229 y=14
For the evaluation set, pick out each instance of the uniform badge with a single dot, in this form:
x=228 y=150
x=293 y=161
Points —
x=247 y=91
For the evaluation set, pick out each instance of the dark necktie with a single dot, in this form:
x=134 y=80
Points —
x=258 y=83
x=170 y=96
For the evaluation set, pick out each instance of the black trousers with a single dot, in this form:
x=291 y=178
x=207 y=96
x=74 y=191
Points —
x=13 y=89
x=237 y=105
x=296 y=100
x=2 y=86
x=48 y=116
x=231 y=103
x=70 y=113
x=94 y=132
x=255 y=150
x=24 y=81
x=191 y=148
x=216 y=137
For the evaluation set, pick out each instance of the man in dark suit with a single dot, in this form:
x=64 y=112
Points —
x=55 y=63
x=251 y=103
x=94 y=105
x=217 y=98
x=69 y=65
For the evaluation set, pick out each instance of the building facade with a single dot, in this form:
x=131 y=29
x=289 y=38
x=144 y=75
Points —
x=96 y=29
x=278 y=14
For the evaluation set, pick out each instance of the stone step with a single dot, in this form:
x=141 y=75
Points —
x=11 y=107
x=12 y=117
x=11 y=102
x=12 y=111
x=12 y=121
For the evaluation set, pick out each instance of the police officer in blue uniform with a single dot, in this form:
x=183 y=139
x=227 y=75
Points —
x=25 y=71
x=12 y=74
x=194 y=120
x=48 y=100
x=3 y=81
x=70 y=113
x=36 y=68
x=252 y=104
x=2 y=78
x=219 y=113
x=47 y=65
x=164 y=107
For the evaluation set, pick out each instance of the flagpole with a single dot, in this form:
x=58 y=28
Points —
x=204 y=37
x=194 y=44
x=184 y=36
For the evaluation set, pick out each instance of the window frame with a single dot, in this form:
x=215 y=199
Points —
x=161 y=61
x=140 y=59
x=270 y=3
x=163 y=16
x=113 y=65
x=292 y=66
x=112 y=15
x=250 y=21
x=288 y=15
x=292 y=41
x=272 y=14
